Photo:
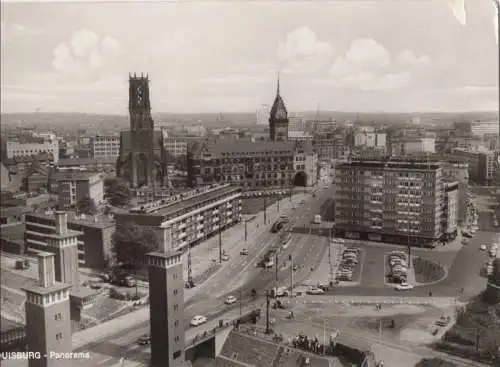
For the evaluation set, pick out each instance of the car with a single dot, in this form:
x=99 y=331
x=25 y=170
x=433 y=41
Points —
x=144 y=340
x=483 y=247
x=198 y=320
x=244 y=252
x=404 y=287
x=295 y=267
x=225 y=257
x=315 y=291
x=230 y=300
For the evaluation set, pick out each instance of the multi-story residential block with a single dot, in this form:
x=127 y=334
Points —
x=411 y=145
x=450 y=210
x=482 y=164
x=454 y=170
x=389 y=201
x=296 y=124
x=331 y=146
x=478 y=128
x=71 y=187
x=176 y=146
x=93 y=236
x=188 y=218
x=370 y=139
x=105 y=147
x=252 y=165
x=25 y=145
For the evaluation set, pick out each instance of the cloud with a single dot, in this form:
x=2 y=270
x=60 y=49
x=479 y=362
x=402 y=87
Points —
x=234 y=78
x=302 y=52
x=367 y=65
x=84 y=54
x=9 y=31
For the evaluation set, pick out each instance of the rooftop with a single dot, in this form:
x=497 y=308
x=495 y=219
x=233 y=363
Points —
x=98 y=221
x=85 y=161
x=74 y=176
x=414 y=165
x=227 y=147
x=184 y=204
x=7 y=325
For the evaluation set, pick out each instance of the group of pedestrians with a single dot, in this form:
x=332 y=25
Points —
x=312 y=345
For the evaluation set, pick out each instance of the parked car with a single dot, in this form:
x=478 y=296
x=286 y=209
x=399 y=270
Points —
x=244 y=252
x=483 y=247
x=198 y=320
x=144 y=340
x=404 y=287
x=22 y=264
x=225 y=257
x=230 y=300
x=315 y=291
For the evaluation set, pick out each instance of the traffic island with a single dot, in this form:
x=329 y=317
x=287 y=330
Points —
x=427 y=271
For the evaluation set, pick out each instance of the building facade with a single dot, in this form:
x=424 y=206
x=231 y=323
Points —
x=482 y=165
x=30 y=146
x=478 y=128
x=93 y=236
x=411 y=145
x=104 y=147
x=450 y=210
x=252 y=165
x=188 y=218
x=459 y=172
x=142 y=149
x=71 y=187
x=389 y=201
x=330 y=146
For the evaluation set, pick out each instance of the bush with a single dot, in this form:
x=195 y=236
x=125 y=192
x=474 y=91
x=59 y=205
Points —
x=434 y=362
x=116 y=294
x=427 y=271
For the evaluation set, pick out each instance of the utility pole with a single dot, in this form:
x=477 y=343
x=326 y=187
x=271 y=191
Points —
x=268 y=300
x=330 y=260
x=278 y=203
x=246 y=233
x=478 y=337
x=220 y=244
x=276 y=273
x=265 y=210
x=241 y=300
x=290 y=257
x=190 y=274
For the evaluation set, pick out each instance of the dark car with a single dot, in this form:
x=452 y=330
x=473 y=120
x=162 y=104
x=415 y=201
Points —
x=22 y=264
x=144 y=340
x=277 y=227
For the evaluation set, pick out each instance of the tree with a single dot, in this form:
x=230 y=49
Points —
x=434 y=362
x=130 y=243
x=117 y=193
x=86 y=206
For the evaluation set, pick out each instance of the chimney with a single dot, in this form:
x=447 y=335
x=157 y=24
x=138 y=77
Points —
x=46 y=269
x=61 y=222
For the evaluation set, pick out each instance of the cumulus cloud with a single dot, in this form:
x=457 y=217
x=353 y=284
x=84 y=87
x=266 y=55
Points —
x=84 y=54
x=302 y=52
x=9 y=31
x=367 y=65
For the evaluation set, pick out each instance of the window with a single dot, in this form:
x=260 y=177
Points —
x=176 y=338
x=176 y=323
x=177 y=354
x=59 y=336
x=176 y=291
x=58 y=316
x=176 y=307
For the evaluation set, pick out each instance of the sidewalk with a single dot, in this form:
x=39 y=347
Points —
x=327 y=270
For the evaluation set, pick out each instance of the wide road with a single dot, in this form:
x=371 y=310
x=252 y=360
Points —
x=240 y=274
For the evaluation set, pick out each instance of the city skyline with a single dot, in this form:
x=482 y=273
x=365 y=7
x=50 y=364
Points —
x=365 y=56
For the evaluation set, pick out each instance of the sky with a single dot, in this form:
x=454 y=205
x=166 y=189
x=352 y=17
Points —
x=204 y=56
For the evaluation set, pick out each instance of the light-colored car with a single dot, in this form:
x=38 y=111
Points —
x=315 y=291
x=483 y=247
x=225 y=257
x=404 y=287
x=230 y=300
x=198 y=320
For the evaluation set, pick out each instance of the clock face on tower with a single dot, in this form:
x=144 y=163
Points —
x=139 y=95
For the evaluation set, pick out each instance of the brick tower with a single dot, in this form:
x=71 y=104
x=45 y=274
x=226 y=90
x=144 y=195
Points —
x=166 y=303
x=278 y=120
x=48 y=326
x=64 y=245
x=142 y=151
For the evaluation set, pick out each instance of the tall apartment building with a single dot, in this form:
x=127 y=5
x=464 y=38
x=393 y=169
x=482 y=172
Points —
x=459 y=172
x=252 y=165
x=71 y=187
x=478 y=128
x=370 y=139
x=331 y=146
x=296 y=123
x=104 y=147
x=389 y=201
x=450 y=209
x=27 y=145
x=190 y=217
x=482 y=164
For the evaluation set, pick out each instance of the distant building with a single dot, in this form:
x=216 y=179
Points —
x=410 y=145
x=454 y=170
x=278 y=118
x=93 y=240
x=262 y=114
x=450 y=210
x=296 y=124
x=190 y=217
x=5 y=178
x=176 y=146
x=478 y=128
x=370 y=139
x=389 y=201
x=253 y=166
x=331 y=146
x=71 y=187
x=482 y=165
x=104 y=147
x=24 y=146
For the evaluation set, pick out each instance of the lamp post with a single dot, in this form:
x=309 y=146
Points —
x=220 y=244
x=290 y=257
x=268 y=300
x=265 y=210
x=246 y=233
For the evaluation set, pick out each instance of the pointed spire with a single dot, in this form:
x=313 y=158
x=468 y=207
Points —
x=278 y=86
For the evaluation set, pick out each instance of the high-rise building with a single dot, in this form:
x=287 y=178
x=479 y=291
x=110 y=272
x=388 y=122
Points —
x=48 y=326
x=263 y=113
x=104 y=147
x=389 y=201
x=166 y=304
x=142 y=150
x=278 y=119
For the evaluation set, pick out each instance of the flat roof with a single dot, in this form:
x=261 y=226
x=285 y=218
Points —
x=7 y=325
x=103 y=221
x=192 y=201
x=392 y=165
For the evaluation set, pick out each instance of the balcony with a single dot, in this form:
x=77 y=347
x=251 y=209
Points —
x=216 y=211
x=182 y=226
x=229 y=220
x=216 y=219
x=229 y=212
x=182 y=235
x=229 y=205
x=200 y=217
x=199 y=226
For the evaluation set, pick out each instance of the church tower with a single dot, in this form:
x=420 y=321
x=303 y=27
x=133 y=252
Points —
x=142 y=151
x=278 y=120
